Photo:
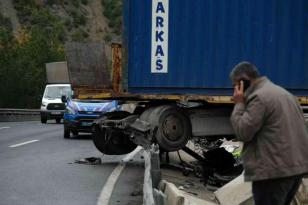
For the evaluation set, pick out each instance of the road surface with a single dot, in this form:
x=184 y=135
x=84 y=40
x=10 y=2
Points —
x=37 y=166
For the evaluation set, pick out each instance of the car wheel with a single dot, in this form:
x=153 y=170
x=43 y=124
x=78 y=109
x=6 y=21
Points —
x=75 y=133
x=43 y=119
x=58 y=120
x=66 y=133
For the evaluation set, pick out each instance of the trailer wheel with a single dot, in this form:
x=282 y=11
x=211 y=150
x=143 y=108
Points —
x=112 y=142
x=173 y=129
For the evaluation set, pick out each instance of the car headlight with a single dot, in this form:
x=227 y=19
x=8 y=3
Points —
x=70 y=111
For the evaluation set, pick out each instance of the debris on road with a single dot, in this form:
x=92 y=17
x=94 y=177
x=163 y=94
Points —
x=138 y=192
x=301 y=197
x=90 y=161
x=219 y=167
x=232 y=190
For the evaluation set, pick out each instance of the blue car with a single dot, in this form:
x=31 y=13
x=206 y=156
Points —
x=80 y=114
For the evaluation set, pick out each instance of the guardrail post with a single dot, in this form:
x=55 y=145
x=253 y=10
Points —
x=148 y=198
x=155 y=166
x=152 y=177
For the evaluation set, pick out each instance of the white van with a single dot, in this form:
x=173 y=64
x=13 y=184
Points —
x=52 y=106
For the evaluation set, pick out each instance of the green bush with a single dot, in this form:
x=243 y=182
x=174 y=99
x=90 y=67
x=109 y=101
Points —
x=6 y=31
x=42 y=17
x=107 y=38
x=81 y=20
x=78 y=19
x=76 y=3
x=22 y=60
x=67 y=22
x=113 y=12
x=19 y=4
x=79 y=36
x=84 y=2
x=22 y=70
x=52 y=2
x=6 y=23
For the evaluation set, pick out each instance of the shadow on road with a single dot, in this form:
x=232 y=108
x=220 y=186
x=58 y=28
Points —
x=52 y=123
x=81 y=137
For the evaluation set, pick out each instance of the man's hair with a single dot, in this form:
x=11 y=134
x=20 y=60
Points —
x=244 y=69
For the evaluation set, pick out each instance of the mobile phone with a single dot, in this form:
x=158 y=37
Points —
x=246 y=83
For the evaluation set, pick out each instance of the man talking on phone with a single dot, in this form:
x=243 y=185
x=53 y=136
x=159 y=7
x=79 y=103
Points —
x=270 y=123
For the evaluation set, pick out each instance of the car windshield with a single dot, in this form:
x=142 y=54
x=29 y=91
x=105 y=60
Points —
x=57 y=91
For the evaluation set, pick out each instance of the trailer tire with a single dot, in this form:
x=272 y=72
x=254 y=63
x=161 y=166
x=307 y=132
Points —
x=173 y=129
x=112 y=142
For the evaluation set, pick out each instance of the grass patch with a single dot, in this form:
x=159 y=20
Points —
x=113 y=12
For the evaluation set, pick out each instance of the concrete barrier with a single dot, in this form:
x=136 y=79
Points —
x=174 y=196
x=18 y=115
x=236 y=192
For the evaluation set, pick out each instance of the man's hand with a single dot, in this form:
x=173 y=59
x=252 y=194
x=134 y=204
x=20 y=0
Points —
x=238 y=95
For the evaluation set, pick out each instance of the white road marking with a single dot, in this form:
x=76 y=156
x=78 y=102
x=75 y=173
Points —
x=107 y=190
x=4 y=128
x=24 y=143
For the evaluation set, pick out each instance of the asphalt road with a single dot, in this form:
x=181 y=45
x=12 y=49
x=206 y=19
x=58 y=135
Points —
x=37 y=166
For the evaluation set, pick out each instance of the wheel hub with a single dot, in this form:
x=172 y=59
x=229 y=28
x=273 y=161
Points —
x=172 y=128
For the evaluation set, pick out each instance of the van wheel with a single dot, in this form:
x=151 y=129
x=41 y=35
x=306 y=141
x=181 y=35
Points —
x=43 y=119
x=66 y=133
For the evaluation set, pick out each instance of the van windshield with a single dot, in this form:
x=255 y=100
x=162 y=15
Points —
x=57 y=91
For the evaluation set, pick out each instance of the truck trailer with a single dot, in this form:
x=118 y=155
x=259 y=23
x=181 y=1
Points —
x=57 y=85
x=174 y=66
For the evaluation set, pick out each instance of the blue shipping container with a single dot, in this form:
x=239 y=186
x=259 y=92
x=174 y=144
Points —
x=190 y=46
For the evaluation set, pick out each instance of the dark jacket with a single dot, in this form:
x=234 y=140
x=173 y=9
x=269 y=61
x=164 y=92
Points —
x=272 y=127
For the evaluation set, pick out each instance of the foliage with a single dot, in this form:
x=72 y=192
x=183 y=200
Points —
x=23 y=58
x=41 y=40
x=84 y=2
x=76 y=3
x=68 y=24
x=113 y=12
x=19 y=4
x=51 y=2
x=78 y=18
x=80 y=35
x=23 y=68
x=5 y=30
x=107 y=38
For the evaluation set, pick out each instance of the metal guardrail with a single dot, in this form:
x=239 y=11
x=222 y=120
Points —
x=9 y=110
x=152 y=177
x=148 y=198
x=11 y=115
